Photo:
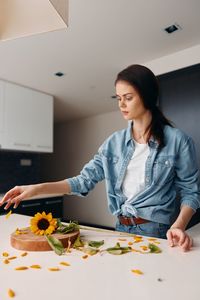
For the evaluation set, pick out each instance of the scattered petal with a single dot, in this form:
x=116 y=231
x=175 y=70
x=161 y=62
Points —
x=8 y=214
x=136 y=271
x=5 y=254
x=144 y=248
x=152 y=239
x=12 y=257
x=24 y=254
x=35 y=266
x=138 y=239
x=63 y=263
x=54 y=269
x=22 y=268
x=6 y=261
x=11 y=293
x=85 y=256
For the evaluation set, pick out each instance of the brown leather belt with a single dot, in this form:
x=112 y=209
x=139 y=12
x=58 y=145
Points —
x=131 y=220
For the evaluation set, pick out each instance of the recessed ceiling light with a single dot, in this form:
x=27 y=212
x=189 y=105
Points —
x=172 y=28
x=59 y=74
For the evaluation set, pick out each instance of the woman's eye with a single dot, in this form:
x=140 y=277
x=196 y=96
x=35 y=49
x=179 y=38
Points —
x=129 y=98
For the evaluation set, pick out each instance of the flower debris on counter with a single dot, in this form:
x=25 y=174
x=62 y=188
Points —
x=136 y=271
x=21 y=268
x=8 y=214
x=11 y=293
x=45 y=224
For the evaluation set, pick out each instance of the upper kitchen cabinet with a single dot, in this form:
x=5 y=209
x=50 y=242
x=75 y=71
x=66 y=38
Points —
x=27 y=122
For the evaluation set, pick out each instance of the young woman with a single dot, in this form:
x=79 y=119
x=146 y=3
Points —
x=146 y=167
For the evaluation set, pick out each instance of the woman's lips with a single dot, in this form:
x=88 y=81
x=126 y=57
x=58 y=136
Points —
x=125 y=113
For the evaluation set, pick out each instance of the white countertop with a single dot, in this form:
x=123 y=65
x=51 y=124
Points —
x=100 y=276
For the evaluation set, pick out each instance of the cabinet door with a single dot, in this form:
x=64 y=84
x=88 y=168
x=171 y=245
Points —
x=28 y=119
x=42 y=136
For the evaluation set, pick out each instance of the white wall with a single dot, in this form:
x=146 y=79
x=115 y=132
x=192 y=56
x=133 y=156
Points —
x=75 y=144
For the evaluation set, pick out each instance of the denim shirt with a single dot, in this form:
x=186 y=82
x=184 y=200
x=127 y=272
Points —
x=169 y=171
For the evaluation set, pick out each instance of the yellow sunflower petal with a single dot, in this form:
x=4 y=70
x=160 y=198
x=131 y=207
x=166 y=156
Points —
x=138 y=272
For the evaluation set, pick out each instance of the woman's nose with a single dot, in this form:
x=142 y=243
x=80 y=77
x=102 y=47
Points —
x=122 y=103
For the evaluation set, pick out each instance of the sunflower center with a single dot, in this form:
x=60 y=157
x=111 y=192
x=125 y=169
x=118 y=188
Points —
x=43 y=224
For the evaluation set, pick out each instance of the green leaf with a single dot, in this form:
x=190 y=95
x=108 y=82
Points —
x=72 y=226
x=78 y=243
x=55 y=244
x=114 y=251
x=117 y=249
x=90 y=251
x=96 y=244
x=154 y=249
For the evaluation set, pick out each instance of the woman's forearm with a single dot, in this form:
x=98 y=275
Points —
x=58 y=187
x=183 y=218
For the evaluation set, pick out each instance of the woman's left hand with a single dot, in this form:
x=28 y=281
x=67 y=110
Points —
x=178 y=237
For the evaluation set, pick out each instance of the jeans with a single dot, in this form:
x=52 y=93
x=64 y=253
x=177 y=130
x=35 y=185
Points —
x=151 y=229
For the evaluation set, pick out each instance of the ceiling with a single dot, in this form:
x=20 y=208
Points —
x=102 y=38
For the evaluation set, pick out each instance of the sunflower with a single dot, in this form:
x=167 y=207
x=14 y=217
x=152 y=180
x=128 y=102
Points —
x=43 y=223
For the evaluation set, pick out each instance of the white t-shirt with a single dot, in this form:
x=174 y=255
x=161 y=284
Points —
x=134 y=180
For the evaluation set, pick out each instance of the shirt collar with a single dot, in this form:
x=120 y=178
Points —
x=129 y=132
x=153 y=143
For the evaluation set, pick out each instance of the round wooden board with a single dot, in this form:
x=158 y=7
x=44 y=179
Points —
x=32 y=242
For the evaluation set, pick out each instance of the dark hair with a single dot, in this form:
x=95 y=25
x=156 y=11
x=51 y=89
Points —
x=146 y=83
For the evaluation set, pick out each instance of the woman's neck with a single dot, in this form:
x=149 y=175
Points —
x=140 y=130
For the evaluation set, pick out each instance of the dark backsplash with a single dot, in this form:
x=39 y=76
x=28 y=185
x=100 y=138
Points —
x=13 y=173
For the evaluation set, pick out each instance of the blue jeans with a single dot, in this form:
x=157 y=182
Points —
x=151 y=229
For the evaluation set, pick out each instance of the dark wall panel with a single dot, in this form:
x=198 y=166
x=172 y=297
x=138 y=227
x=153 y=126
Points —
x=180 y=100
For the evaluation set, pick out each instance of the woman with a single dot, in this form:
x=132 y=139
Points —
x=145 y=167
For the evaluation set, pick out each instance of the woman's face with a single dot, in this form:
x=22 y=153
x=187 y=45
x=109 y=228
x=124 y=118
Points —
x=129 y=101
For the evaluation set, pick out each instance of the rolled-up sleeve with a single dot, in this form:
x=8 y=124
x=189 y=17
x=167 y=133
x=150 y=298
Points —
x=187 y=175
x=90 y=175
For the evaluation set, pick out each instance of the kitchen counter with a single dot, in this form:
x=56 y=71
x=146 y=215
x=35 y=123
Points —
x=171 y=274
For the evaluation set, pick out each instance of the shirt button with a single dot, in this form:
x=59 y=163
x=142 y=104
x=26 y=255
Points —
x=166 y=162
x=147 y=179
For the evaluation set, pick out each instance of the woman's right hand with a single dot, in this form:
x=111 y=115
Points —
x=17 y=194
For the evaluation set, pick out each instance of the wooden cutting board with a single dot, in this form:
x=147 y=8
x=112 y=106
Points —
x=31 y=242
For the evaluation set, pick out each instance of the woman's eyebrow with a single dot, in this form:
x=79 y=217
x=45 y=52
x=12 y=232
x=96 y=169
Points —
x=124 y=94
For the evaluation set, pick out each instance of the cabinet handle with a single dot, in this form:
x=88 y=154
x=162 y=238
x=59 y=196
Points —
x=53 y=202
x=22 y=144
x=43 y=146
x=31 y=204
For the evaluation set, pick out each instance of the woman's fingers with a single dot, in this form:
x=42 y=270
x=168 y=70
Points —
x=179 y=237
x=10 y=195
x=14 y=196
x=170 y=238
x=187 y=243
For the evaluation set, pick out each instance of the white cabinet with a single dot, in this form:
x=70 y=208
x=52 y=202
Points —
x=27 y=119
